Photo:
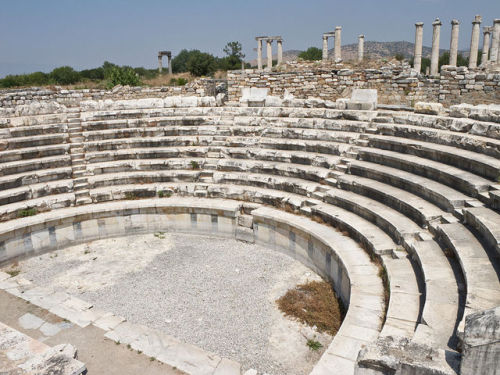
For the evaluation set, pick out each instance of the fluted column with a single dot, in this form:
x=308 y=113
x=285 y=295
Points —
x=325 y=48
x=486 y=44
x=269 y=54
x=419 y=35
x=436 y=33
x=169 y=57
x=474 y=42
x=338 y=44
x=455 y=26
x=361 y=47
x=495 y=43
x=259 y=54
x=280 y=52
x=159 y=64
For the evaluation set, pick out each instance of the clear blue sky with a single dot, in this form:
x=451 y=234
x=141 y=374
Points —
x=42 y=34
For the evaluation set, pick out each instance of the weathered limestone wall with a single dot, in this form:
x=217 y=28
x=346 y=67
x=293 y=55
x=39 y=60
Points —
x=71 y=98
x=395 y=85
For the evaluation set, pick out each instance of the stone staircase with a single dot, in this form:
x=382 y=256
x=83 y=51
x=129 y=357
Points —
x=78 y=163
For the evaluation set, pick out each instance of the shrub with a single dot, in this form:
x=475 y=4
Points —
x=65 y=75
x=311 y=54
x=399 y=57
x=201 y=64
x=122 y=76
x=93 y=74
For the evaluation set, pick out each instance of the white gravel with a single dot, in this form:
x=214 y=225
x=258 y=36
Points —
x=216 y=294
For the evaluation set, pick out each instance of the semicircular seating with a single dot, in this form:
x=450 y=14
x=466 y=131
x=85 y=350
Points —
x=419 y=193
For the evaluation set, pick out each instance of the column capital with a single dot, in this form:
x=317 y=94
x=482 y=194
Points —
x=419 y=24
x=496 y=20
x=361 y=36
x=455 y=22
x=338 y=28
x=477 y=19
x=437 y=22
x=487 y=29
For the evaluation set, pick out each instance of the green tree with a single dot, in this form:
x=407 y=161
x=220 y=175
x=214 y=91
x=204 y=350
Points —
x=65 y=75
x=201 y=64
x=179 y=62
x=122 y=76
x=234 y=57
x=312 y=53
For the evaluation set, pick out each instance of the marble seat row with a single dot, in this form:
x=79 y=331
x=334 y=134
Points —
x=399 y=190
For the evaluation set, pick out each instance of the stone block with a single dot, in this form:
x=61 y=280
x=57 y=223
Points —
x=429 y=108
x=481 y=352
x=400 y=356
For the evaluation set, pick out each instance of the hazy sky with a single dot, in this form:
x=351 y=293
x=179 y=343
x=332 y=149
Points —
x=42 y=34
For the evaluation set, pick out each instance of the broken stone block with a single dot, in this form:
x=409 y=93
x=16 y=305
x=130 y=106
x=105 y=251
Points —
x=429 y=108
x=481 y=351
x=399 y=356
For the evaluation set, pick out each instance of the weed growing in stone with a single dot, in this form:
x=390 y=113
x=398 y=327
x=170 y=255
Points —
x=13 y=273
x=314 y=345
x=27 y=212
x=164 y=194
x=160 y=235
x=195 y=164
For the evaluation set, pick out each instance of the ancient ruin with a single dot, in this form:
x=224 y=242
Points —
x=269 y=50
x=383 y=181
x=160 y=58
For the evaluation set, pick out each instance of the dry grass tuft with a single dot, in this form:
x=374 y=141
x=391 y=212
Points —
x=314 y=304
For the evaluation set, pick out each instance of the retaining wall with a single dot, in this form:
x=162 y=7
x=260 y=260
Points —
x=395 y=85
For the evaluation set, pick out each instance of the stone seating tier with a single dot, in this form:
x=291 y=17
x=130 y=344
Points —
x=417 y=177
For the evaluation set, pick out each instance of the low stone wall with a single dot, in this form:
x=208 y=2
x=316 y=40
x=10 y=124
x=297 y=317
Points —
x=71 y=98
x=395 y=85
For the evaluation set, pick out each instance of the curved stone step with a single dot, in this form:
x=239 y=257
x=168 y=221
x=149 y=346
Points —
x=36 y=140
x=34 y=130
x=402 y=230
x=21 y=166
x=476 y=163
x=35 y=191
x=41 y=204
x=416 y=208
x=463 y=181
x=33 y=153
x=12 y=181
x=487 y=223
x=465 y=141
x=441 y=195
x=480 y=269
x=441 y=308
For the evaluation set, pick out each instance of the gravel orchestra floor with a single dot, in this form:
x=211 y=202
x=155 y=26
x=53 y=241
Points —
x=216 y=294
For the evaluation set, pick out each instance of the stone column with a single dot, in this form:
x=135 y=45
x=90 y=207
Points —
x=361 y=47
x=455 y=25
x=169 y=56
x=486 y=44
x=495 y=42
x=474 y=42
x=259 y=54
x=269 y=54
x=159 y=64
x=280 y=51
x=417 y=57
x=338 y=44
x=325 y=48
x=436 y=33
